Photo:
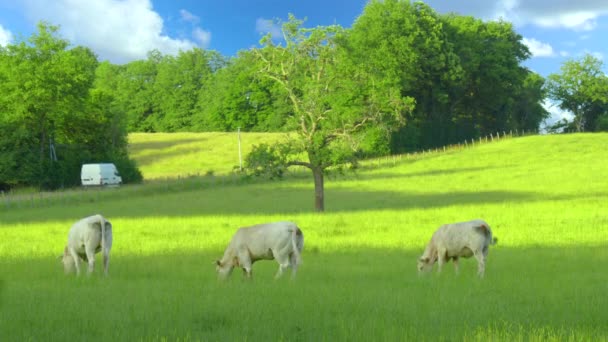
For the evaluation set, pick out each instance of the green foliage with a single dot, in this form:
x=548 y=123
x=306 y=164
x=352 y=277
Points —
x=18 y=157
x=333 y=101
x=464 y=74
x=582 y=89
x=236 y=98
x=128 y=169
x=53 y=118
x=265 y=161
x=529 y=112
x=177 y=85
x=602 y=123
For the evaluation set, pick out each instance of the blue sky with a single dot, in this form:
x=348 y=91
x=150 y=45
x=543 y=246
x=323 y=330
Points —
x=125 y=30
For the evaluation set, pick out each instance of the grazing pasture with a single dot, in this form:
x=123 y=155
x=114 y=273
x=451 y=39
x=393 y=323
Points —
x=546 y=279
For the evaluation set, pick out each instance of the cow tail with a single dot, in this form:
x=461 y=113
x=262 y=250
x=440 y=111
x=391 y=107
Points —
x=485 y=230
x=297 y=241
x=103 y=233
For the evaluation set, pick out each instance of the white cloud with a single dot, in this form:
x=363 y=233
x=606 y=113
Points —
x=202 y=36
x=189 y=17
x=555 y=113
x=578 y=21
x=580 y=15
x=117 y=30
x=537 y=48
x=5 y=36
x=265 y=26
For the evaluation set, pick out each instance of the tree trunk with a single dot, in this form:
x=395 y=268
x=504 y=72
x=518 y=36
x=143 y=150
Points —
x=317 y=173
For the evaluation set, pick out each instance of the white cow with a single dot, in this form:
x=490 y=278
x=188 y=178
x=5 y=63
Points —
x=86 y=237
x=281 y=241
x=463 y=239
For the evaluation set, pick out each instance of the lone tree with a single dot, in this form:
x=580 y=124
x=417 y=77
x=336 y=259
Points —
x=335 y=104
x=582 y=88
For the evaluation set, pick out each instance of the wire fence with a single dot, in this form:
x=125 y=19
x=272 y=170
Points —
x=396 y=158
x=40 y=199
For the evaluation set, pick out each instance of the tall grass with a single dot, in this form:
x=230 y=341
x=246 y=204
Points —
x=545 y=280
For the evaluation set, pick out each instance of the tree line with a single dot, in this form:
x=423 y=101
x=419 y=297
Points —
x=401 y=78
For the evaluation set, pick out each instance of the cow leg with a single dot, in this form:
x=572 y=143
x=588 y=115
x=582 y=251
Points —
x=248 y=272
x=76 y=260
x=106 y=261
x=284 y=262
x=441 y=255
x=481 y=263
x=294 y=265
x=90 y=251
x=282 y=268
x=245 y=262
x=456 y=266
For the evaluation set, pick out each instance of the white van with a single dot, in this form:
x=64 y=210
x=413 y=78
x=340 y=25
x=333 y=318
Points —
x=100 y=174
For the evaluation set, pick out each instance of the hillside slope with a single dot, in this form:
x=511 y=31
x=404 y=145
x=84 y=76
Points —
x=171 y=155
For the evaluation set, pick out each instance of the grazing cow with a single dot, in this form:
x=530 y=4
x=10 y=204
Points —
x=281 y=241
x=463 y=239
x=86 y=238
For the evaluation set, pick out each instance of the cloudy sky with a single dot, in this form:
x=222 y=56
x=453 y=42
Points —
x=125 y=30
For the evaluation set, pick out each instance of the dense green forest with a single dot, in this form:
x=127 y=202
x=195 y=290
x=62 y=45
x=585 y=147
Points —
x=411 y=77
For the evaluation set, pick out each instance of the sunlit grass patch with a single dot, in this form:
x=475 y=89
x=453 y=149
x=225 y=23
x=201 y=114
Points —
x=168 y=155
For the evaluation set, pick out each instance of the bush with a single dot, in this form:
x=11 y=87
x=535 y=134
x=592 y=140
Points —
x=265 y=161
x=128 y=169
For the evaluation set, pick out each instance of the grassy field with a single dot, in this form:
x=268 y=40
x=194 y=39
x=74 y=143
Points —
x=167 y=155
x=546 y=280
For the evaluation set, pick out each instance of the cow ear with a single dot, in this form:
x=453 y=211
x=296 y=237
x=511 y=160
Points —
x=65 y=250
x=218 y=263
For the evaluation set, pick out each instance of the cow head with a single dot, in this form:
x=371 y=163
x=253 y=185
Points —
x=223 y=269
x=68 y=262
x=425 y=264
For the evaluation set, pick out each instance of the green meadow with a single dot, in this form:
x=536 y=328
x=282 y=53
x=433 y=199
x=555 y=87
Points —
x=546 y=279
x=167 y=155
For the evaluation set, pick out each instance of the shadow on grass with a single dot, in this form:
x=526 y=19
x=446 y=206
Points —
x=356 y=294
x=160 y=145
x=406 y=175
x=258 y=200
x=233 y=195
x=166 y=150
